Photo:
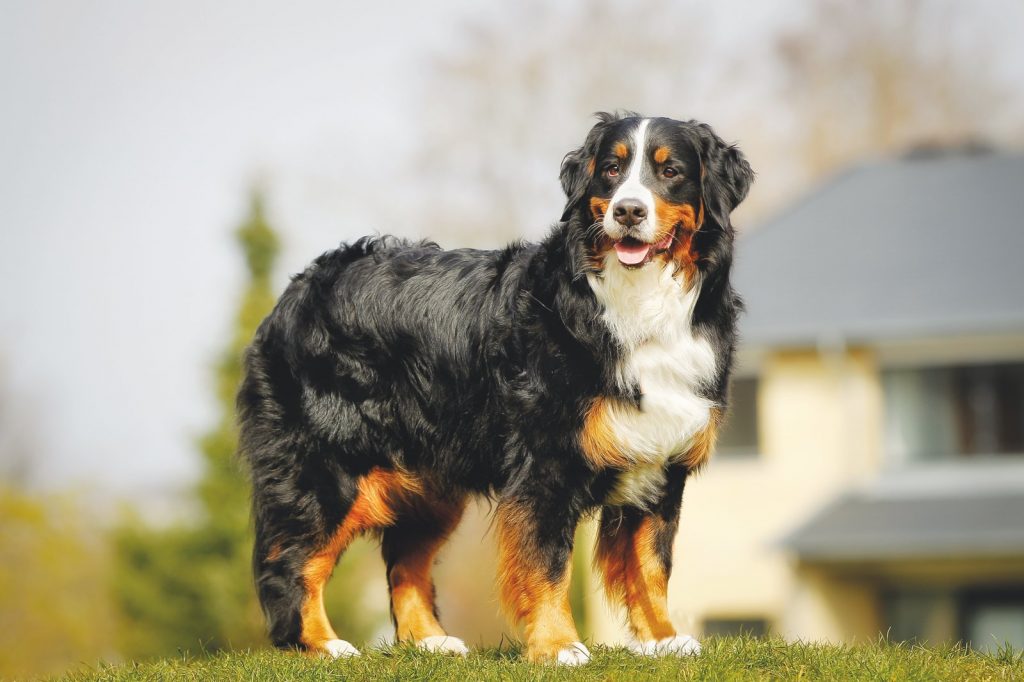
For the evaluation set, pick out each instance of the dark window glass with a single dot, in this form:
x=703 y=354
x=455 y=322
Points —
x=992 y=619
x=940 y=413
x=919 y=616
x=739 y=437
x=753 y=627
x=986 y=619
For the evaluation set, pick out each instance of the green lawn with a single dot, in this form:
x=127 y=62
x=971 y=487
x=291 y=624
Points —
x=723 y=659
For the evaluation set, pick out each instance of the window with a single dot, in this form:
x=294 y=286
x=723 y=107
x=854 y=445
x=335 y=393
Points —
x=739 y=437
x=985 y=619
x=992 y=619
x=920 y=616
x=731 y=627
x=943 y=413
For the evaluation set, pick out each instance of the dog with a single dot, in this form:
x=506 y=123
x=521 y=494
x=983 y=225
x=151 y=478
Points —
x=587 y=373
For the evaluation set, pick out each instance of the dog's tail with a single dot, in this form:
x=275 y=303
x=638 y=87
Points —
x=281 y=536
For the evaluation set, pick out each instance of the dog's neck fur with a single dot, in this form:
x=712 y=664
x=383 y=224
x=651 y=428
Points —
x=645 y=304
x=649 y=311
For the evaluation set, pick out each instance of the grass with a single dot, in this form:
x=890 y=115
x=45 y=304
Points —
x=729 y=658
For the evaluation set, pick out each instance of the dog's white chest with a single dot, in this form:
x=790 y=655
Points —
x=650 y=314
x=671 y=413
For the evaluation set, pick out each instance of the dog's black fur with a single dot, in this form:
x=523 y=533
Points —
x=471 y=368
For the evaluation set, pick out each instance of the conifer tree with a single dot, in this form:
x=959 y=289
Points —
x=188 y=586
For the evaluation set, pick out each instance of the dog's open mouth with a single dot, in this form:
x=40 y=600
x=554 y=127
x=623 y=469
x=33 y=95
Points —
x=633 y=253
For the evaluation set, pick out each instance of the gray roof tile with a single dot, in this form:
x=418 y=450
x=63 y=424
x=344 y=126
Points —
x=866 y=528
x=897 y=249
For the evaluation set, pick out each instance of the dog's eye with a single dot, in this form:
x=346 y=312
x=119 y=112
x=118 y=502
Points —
x=612 y=170
x=670 y=172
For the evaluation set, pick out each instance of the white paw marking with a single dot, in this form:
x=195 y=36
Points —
x=339 y=648
x=679 y=645
x=575 y=654
x=443 y=644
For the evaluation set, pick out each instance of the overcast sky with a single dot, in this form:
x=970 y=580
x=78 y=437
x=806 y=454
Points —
x=129 y=133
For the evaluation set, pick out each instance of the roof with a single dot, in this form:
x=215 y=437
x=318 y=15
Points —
x=954 y=513
x=898 y=249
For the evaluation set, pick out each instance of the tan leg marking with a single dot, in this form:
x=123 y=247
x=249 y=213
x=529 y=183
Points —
x=528 y=595
x=634 y=574
x=380 y=491
x=412 y=589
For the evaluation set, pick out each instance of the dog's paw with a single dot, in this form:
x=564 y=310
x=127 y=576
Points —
x=679 y=645
x=443 y=644
x=576 y=653
x=339 y=648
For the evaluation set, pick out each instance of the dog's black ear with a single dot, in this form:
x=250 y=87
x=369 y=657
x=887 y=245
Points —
x=725 y=179
x=578 y=165
x=725 y=174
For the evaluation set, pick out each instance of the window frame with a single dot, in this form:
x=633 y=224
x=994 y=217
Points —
x=894 y=458
x=744 y=452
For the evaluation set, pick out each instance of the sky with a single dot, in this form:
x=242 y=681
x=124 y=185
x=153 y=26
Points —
x=130 y=133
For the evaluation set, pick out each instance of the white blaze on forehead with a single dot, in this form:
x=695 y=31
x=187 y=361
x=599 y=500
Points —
x=632 y=183
x=633 y=188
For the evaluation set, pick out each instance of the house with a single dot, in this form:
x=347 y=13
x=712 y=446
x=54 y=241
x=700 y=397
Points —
x=871 y=479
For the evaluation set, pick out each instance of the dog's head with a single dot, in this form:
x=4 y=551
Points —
x=651 y=189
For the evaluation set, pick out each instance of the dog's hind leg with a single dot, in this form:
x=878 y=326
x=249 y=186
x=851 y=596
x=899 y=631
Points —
x=293 y=568
x=409 y=549
x=293 y=556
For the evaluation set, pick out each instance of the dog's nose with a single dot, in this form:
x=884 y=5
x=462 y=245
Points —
x=629 y=212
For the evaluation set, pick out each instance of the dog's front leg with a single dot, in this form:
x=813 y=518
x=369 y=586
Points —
x=634 y=553
x=534 y=551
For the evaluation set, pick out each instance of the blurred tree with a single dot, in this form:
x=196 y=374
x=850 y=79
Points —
x=519 y=92
x=189 y=585
x=880 y=77
x=55 y=607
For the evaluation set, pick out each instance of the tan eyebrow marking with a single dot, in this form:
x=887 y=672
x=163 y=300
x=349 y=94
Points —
x=661 y=154
x=620 y=150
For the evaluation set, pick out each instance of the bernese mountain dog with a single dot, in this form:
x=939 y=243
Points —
x=586 y=373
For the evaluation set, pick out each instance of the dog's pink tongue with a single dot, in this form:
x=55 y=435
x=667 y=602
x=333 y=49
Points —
x=632 y=252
